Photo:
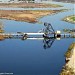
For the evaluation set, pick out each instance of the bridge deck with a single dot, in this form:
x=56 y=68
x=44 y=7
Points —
x=36 y=34
x=21 y=34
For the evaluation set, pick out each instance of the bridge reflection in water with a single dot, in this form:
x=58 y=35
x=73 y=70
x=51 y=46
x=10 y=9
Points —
x=47 y=42
x=48 y=35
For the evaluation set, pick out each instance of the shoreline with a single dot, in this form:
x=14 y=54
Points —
x=69 y=67
x=30 y=16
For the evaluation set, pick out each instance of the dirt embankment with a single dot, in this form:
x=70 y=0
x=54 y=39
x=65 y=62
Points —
x=69 y=68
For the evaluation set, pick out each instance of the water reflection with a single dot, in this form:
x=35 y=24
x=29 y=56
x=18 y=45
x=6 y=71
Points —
x=48 y=43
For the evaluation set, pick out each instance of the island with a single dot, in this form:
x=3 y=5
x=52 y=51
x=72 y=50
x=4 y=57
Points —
x=26 y=15
x=70 y=19
x=69 y=67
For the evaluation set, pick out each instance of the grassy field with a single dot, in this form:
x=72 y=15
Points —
x=73 y=18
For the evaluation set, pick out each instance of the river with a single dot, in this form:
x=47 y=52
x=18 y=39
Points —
x=34 y=57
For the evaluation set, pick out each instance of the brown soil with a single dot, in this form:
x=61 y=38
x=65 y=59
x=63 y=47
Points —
x=26 y=15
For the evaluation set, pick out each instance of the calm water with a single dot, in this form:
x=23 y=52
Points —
x=31 y=57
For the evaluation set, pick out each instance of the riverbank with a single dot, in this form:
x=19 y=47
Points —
x=26 y=15
x=29 y=5
x=70 y=19
x=69 y=68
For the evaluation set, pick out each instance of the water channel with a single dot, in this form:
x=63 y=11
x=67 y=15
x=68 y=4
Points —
x=31 y=57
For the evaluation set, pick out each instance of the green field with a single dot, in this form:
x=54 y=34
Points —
x=73 y=18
